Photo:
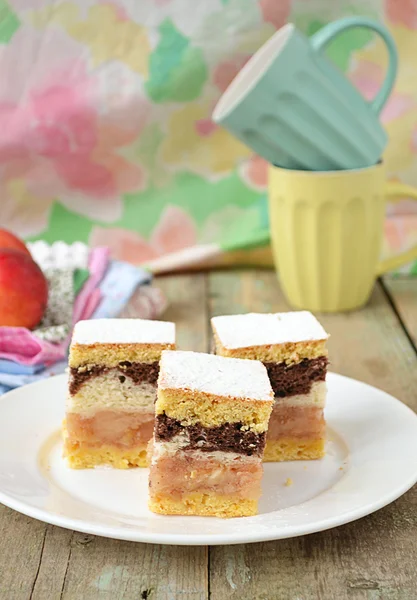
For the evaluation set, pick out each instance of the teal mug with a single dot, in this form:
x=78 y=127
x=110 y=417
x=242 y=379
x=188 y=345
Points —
x=293 y=106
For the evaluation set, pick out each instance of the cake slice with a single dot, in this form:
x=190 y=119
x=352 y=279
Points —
x=292 y=346
x=114 y=367
x=210 y=425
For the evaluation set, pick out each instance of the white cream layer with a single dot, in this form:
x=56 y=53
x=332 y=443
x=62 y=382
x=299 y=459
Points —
x=107 y=392
x=316 y=397
x=178 y=442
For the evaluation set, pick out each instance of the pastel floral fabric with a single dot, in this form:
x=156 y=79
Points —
x=105 y=117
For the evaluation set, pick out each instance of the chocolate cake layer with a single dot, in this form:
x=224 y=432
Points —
x=137 y=372
x=229 y=437
x=294 y=379
x=140 y=372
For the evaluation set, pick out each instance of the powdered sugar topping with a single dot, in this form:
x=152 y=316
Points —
x=214 y=374
x=256 y=329
x=123 y=331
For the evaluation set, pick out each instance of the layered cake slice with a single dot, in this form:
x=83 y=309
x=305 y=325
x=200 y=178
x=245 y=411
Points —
x=210 y=426
x=292 y=346
x=114 y=367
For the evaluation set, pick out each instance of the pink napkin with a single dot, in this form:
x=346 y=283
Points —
x=97 y=265
x=22 y=346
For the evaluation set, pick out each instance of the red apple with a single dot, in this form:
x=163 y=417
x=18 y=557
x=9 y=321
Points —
x=23 y=290
x=8 y=240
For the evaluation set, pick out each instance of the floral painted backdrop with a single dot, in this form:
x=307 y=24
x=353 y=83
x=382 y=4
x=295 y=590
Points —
x=105 y=123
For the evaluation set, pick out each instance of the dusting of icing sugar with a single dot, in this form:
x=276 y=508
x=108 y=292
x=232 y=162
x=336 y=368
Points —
x=212 y=374
x=123 y=331
x=257 y=329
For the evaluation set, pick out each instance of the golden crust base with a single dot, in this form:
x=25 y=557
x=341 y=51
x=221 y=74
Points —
x=204 y=505
x=88 y=458
x=294 y=449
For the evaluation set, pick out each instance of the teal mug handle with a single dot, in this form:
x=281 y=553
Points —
x=320 y=39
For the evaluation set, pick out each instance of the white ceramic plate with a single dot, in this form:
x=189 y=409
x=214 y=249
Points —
x=371 y=460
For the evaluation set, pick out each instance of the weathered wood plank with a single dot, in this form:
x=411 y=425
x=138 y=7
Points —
x=188 y=308
x=101 y=568
x=33 y=557
x=53 y=564
x=105 y=568
x=373 y=558
x=22 y=541
x=403 y=293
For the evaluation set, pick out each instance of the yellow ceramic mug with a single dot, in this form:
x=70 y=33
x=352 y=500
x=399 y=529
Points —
x=326 y=230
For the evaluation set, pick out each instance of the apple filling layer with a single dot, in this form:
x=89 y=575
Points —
x=185 y=473
x=124 y=429
x=305 y=422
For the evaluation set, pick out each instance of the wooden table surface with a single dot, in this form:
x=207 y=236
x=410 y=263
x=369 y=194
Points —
x=371 y=559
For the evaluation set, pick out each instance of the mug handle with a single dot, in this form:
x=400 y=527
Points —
x=320 y=39
x=396 y=192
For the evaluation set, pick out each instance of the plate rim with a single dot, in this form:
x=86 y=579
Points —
x=239 y=537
